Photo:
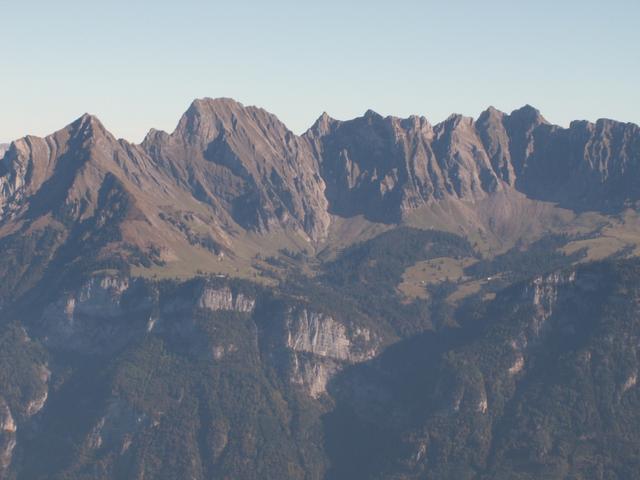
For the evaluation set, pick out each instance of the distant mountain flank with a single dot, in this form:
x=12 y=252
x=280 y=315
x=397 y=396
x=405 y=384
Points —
x=229 y=175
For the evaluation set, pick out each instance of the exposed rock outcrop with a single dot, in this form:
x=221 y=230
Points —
x=321 y=335
x=7 y=423
x=93 y=317
x=13 y=173
x=8 y=430
x=322 y=346
x=542 y=292
x=101 y=295
x=223 y=298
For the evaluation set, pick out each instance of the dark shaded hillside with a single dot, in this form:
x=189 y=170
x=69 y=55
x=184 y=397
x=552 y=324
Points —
x=541 y=385
x=124 y=379
x=369 y=272
x=116 y=377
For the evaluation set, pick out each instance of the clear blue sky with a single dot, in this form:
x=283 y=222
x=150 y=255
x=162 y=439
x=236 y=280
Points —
x=139 y=64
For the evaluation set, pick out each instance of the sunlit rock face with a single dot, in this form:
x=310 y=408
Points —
x=322 y=346
x=215 y=299
x=8 y=429
x=543 y=295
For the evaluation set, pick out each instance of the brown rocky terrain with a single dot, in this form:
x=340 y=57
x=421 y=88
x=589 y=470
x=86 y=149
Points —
x=231 y=182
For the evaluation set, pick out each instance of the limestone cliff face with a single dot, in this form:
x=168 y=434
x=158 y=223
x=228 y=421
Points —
x=13 y=171
x=210 y=296
x=23 y=396
x=108 y=311
x=321 y=347
x=229 y=330
x=223 y=298
x=321 y=335
x=7 y=435
x=100 y=295
x=93 y=317
x=542 y=292
x=7 y=423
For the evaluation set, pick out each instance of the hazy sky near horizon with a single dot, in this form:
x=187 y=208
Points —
x=139 y=64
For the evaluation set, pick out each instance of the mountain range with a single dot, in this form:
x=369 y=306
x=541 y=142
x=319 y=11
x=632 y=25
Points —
x=228 y=173
x=375 y=298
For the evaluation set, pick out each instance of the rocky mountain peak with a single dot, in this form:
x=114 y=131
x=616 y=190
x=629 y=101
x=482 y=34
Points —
x=154 y=136
x=371 y=114
x=246 y=164
x=40 y=155
x=454 y=122
x=491 y=116
x=87 y=127
x=90 y=120
x=322 y=126
x=213 y=107
x=527 y=115
x=415 y=122
x=207 y=118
